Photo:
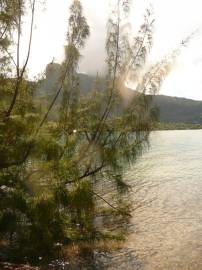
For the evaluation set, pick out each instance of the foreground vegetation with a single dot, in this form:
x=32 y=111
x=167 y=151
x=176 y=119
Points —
x=60 y=172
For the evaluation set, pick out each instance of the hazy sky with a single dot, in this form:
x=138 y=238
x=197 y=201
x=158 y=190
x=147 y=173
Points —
x=174 y=20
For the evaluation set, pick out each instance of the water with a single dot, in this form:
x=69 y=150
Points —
x=168 y=227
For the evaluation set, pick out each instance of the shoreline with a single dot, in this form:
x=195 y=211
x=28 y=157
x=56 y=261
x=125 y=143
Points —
x=176 y=126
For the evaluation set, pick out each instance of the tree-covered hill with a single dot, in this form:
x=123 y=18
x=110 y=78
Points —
x=175 y=110
x=171 y=109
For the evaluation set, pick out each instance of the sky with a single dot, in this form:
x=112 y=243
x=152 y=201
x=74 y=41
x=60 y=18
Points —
x=174 y=21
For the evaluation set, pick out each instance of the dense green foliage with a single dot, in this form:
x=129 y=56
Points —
x=56 y=171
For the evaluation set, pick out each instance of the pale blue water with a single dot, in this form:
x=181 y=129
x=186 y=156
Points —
x=168 y=228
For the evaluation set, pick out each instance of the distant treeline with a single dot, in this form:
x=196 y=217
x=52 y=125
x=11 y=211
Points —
x=176 y=126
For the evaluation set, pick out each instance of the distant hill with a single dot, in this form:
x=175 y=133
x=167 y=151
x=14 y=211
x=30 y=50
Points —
x=52 y=75
x=172 y=109
x=175 y=110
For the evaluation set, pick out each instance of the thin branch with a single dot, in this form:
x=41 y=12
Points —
x=54 y=99
x=139 y=50
x=3 y=33
x=89 y=173
x=20 y=74
x=11 y=57
x=112 y=206
x=107 y=109
x=87 y=136
x=150 y=78
x=30 y=38
x=18 y=47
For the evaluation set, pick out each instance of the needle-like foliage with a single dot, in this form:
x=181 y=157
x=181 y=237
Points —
x=58 y=174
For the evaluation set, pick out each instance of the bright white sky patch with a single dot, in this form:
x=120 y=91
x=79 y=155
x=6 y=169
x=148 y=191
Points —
x=175 y=19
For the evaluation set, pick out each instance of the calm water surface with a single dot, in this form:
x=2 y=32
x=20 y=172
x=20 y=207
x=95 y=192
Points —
x=168 y=228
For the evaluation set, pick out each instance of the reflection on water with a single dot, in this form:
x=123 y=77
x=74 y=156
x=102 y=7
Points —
x=168 y=229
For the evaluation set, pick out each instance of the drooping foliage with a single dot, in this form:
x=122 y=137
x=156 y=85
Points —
x=57 y=175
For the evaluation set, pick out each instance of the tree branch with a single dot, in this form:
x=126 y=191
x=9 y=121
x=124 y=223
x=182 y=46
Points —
x=3 y=33
x=20 y=74
x=89 y=173
x=112 y=206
